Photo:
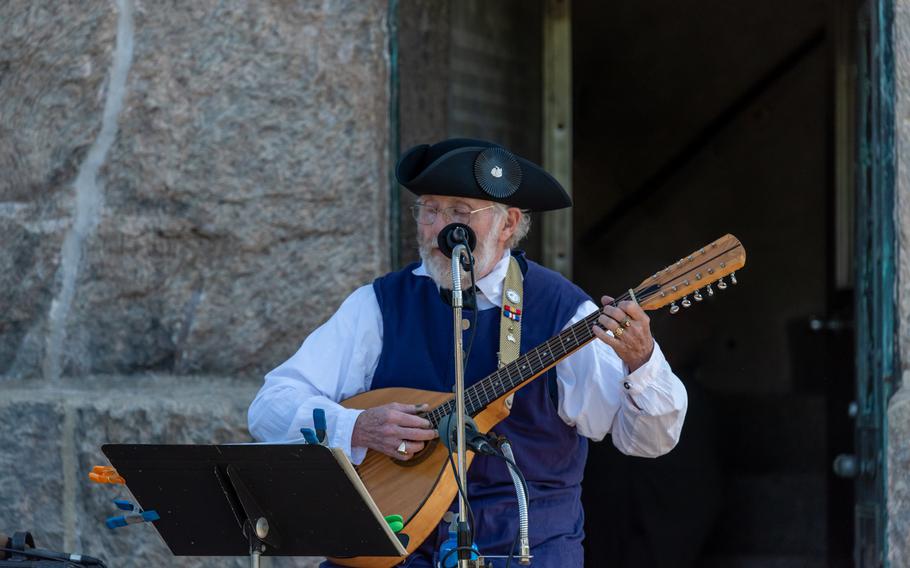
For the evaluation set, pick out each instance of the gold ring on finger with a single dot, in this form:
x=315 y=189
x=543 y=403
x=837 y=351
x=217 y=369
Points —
x=403 y=448
x=618 y=332
x=627 y=322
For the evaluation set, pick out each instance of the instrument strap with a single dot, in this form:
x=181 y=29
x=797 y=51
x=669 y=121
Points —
x=510 y=322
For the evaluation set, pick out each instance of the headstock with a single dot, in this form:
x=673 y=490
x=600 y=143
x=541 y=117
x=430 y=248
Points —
x=687 y=276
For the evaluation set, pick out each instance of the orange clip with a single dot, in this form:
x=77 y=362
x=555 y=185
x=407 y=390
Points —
x=105 y=474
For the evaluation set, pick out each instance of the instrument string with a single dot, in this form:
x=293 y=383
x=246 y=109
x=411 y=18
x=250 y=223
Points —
x=488 y=389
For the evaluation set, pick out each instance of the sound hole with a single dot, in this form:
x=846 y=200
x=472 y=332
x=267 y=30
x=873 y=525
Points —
x=420 y=456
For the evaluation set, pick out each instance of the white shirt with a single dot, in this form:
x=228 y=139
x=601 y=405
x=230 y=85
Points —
x=337 y=361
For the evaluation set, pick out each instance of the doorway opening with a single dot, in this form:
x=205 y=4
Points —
x=692 y=121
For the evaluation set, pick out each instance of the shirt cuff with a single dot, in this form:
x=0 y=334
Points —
x=641 y=378
x=344 y=431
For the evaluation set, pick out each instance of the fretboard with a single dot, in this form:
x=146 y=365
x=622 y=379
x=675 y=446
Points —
x=529 y=365
x=521 y=370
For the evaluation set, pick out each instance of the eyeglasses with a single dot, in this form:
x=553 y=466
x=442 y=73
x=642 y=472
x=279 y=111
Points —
x=426 y=215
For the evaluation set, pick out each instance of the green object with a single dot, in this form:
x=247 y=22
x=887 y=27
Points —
x=396 y=523
x=878 y=365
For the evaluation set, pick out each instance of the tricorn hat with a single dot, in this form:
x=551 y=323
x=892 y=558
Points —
x=464 y=167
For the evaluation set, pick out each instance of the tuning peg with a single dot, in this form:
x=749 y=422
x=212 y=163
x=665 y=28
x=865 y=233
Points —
x=721 y=285
x=697 y=295
x=733 y=278
x=686 y=302
x=710 y=290
x=673 y=308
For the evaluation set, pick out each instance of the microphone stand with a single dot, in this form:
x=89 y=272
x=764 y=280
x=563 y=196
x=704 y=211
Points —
x=465 y=538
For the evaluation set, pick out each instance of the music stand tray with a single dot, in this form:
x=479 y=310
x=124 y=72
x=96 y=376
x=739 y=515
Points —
x=211 y=498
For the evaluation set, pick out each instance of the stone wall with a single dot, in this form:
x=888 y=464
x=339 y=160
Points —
x=899 y=406
x=53 y=436
x=186 y=190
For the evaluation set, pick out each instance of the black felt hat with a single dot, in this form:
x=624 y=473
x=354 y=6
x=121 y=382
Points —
x=464 y=167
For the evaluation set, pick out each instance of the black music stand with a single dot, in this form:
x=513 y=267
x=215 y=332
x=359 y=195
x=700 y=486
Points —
x=285 y=499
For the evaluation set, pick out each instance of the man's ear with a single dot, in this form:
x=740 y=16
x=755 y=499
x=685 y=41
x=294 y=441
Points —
x=513 y=216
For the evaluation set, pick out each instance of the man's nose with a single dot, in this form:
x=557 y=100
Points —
x=439 y=223
x=429 y=232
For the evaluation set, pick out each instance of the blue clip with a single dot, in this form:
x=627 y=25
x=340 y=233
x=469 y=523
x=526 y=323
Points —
x=319 y=424
x=135 y=515
x=309 y=436
x=132 y=518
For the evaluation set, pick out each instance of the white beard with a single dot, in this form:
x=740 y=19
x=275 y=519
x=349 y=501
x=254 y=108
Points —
x=440 y=267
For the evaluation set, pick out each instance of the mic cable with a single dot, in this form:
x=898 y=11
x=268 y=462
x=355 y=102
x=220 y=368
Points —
x=80 y=559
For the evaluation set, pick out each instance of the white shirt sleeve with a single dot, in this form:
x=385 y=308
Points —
x=644 y=419
x=335 y=362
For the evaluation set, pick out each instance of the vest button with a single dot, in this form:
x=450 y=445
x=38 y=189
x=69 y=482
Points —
x=465 y=324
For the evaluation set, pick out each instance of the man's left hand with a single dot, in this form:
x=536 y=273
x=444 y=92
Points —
x=630 y=327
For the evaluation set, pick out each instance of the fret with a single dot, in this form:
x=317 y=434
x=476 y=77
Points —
x=495 y=384
x=586 y=330
x=547 y=357
x=489 y=386
x=546 y=353
x=550 y=349
x=480 y=398
x=527 y=364
x=484 y=389
x=507 y=378
x=477 y=394
x=574 y=334
x=543 y=353
x=514 y=373
x=500 y=378
x=513 y=367
x=470 y=398
x=539 y=359
x=527 y=369
x=487 y=394
x=557 y=345
x=534 y=367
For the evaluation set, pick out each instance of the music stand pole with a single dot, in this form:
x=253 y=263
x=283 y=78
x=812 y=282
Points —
x=463 y=555
x=253 y=521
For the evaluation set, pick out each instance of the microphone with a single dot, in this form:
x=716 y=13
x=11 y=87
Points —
x=453 y=235
x=473 y=438
x=478 y=442
x=456 y=234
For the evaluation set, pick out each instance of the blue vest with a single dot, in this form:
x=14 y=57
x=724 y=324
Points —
x=417 y=353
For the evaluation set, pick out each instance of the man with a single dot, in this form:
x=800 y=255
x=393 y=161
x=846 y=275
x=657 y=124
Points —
x=398 y=332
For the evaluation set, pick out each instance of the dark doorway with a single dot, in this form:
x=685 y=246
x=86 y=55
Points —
x=691 y=121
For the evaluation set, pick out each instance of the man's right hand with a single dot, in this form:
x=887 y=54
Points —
x=385 y=427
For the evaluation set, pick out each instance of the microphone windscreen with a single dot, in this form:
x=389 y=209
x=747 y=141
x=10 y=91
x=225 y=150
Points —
x=453 y=235
x=448 y=425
